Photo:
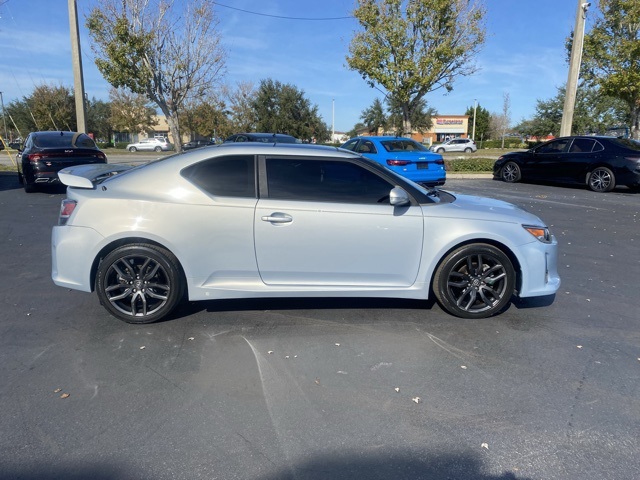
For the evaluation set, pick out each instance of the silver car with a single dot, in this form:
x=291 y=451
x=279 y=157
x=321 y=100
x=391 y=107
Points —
x=455 y=145
x=284 y=220
x=156 y=144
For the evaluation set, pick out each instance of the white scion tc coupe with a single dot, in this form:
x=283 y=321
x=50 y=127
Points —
x=279 y=220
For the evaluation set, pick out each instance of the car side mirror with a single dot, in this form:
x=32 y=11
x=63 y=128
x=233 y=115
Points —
x=398 y=197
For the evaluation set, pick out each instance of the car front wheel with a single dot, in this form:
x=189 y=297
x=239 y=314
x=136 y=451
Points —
x=474 y=281
x=139 y=283
x=132 y=149
x=440 y=150
x=511 y=172
x=601 y=180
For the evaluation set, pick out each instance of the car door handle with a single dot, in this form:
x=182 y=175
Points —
x=277 y=217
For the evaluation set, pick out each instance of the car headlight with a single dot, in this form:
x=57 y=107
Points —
x=541 y=233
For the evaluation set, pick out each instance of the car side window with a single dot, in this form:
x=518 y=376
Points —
x=582 y=145
x=557 y=146
x=319 y=180
x=366 y=146
x=350 y=145
x=232 y=176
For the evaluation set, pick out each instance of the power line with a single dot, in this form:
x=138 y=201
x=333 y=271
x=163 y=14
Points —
x=282 y=16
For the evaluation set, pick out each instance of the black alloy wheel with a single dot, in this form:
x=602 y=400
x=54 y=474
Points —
x=474 y=281
x=601 y=180
x=139 y=283
x=511 y=173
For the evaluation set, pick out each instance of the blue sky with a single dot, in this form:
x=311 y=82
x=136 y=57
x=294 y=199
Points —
x=524 y=54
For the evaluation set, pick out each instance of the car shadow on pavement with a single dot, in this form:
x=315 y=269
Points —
x=9 y=181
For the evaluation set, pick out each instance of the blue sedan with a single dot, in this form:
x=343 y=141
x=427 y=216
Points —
x=404 y=156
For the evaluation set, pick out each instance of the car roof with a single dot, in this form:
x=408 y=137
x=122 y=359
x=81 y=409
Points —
x=380 y=138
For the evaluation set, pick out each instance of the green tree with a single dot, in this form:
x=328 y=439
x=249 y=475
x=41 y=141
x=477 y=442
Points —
x=47 y=108
x=409 y=49
x=594 y=113
x=374 y=117
x=205 y=119
x=99 y=119
x=482 y=121
x=158 y=50
x=240 y=109
x=131 y=112
x=283 y=108
x=611 y=58
x=420 y=116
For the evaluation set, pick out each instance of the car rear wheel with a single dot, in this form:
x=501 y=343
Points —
x=158 y=149
x=139 y=283
x=467 y=150
x=474 y=281
x=511 y=172
x=601 y=180
x=132 y=149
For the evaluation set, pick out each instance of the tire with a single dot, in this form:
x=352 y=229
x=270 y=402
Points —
x=440 y=150
x=467 y=150
x=139 y=283
x=474 y=281
x=601 y=180
x=511 y=172
x=158 y=149
x=29 y=187
x=132 y=149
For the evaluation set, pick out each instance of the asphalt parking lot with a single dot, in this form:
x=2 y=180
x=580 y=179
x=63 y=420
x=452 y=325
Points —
x=331 y=389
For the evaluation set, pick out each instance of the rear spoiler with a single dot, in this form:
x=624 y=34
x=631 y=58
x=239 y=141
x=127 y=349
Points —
x=88 y=176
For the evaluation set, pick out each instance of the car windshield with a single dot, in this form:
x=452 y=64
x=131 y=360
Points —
x=628 y=143
x=398 y=145
x=64 y=140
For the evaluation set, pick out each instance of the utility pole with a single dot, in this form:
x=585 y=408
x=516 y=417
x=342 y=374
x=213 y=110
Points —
x=4 y=121
x=574 y=69
x=76 y=56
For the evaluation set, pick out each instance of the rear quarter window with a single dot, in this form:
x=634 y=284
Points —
x=230 y=176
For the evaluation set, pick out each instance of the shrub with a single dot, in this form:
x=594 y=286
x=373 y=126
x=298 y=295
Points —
x=469 y=165
x=103 y=145
x=122 y=145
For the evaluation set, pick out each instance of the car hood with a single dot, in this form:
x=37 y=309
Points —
x=483 y=208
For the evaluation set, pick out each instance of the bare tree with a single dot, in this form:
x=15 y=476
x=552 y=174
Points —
x=130 y=111
x=506 y=114
x=168 y=51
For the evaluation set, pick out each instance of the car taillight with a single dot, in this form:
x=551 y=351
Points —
x=35 y=157
x=66 y=209
x=439 y=162
x=101 y=156
x=398 y=163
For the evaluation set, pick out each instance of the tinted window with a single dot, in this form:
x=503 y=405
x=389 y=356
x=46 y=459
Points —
x=63 y=140
x=366 y=146
x=232 y=176
x=627 y=143
x=324 y=181
x=556 y=146
x=403 y=146
x=582 y=145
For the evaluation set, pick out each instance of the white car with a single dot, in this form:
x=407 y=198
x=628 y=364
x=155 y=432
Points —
x=156 y=144
x=455 y=145
x=284 y=220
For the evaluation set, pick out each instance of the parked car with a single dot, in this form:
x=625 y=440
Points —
x=601 y=163
x=402 y=155
x=45 y=153
x=262 y=137
x=455 y=145
x=256 y=220
x=197 y=144
x=155 y=144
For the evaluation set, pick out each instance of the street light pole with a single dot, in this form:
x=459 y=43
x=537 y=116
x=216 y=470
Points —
x=475 y=109
x=574 y=69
